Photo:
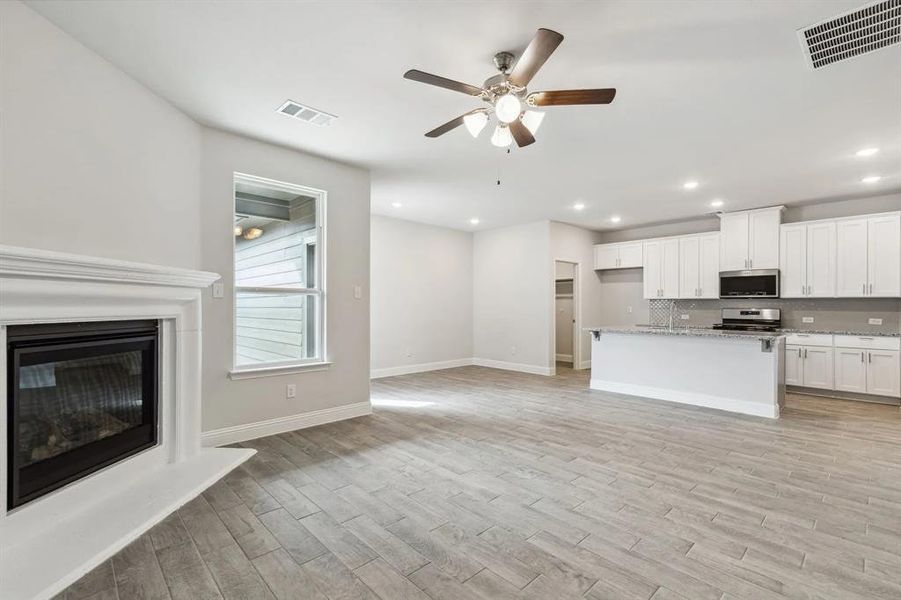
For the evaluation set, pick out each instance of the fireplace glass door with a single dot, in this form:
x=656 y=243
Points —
x=81 y=396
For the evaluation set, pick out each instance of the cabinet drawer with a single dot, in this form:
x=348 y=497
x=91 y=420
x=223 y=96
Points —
x=868 y=342
x=809 y=339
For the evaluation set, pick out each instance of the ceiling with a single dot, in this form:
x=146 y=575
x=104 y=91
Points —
x=716 y=92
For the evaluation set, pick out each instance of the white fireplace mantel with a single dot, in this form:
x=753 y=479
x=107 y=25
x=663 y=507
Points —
x=50 y=542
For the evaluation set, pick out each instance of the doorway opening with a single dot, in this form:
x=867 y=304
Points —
x=566 y=314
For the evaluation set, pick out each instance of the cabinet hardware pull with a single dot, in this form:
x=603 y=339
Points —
x=869 y=357
x=864 y=289
x=805 y=352
x=799 y=353
x=861 y=357
x=871 y=289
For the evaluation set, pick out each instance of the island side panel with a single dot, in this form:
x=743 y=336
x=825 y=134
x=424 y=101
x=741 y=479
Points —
x=724 y=373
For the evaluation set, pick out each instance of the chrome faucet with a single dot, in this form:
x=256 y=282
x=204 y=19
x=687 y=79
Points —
x=672 y=313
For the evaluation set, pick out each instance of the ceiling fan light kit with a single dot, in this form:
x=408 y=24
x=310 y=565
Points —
x=507 y=94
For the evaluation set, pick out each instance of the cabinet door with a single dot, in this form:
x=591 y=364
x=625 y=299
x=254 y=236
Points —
x=821 y=260
x=652 y=255
x=763 y=239
x=851 y=258
x=793 y=373
x=817 y=367
x=793 y=260
x=734 y=242
x=605 y=256
x=630 y=255
x=710 y=266
x=850 y=370
x=670 y=269
x=689 y=267
x=884 y=256
x=884 y=372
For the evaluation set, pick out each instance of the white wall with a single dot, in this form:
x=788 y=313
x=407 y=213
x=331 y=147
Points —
x=92 y=162
x=574 y=244
x=421 y=309
x=513 y=274
x=230 y=403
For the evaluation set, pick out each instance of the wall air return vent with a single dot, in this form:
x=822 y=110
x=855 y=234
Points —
x=853 y=33
x=308 y=114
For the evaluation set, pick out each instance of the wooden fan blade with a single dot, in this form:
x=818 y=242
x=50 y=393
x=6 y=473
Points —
x=521 y=133
x=444 y=82
x=536 y=53
x=450 y=125
x=568 y=97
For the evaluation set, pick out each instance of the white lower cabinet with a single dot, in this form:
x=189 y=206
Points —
x=851 y=370
x=808 y=366
x=884 y=372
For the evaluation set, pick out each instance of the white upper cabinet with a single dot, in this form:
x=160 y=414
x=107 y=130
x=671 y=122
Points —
x=734 y=241
x=750 y=239
x=884 y=255
x=699 y=266
x=670 y=270
x=793 y=260
x=763 y=238
x=868 y=255
x=807 y=260
x=626 y=255
x=653 y=269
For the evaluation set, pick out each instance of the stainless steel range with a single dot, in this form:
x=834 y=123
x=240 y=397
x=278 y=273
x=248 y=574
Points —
x=750 y=319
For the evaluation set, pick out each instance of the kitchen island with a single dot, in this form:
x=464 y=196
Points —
x=735 y=371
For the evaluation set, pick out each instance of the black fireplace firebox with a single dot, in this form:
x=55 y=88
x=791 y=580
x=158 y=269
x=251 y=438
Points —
x=81 y=396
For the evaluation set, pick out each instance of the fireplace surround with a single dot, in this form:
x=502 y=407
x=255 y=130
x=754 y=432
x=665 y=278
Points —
x=54 y=534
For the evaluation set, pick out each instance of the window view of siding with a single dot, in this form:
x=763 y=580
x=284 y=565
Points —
x=276 y=288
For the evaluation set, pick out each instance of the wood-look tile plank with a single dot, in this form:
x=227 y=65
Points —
x=285 y=577
x=186 y=574
x=387 y=583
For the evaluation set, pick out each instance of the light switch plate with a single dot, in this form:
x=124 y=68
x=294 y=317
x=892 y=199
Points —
x=875 y=321
x=218 y=290
x=358 y=291
x=807 y=319
x=684 y=317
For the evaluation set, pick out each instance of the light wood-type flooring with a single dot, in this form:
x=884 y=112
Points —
x=475 y=483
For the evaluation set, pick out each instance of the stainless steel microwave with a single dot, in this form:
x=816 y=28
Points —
x=752 y=283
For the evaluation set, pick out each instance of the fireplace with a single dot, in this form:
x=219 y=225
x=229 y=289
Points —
x=81 y=396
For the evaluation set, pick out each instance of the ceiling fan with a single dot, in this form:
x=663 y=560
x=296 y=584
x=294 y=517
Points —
x=508 y=96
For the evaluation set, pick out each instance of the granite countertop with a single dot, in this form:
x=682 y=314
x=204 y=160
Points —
x=838 y=332
x=685 y=331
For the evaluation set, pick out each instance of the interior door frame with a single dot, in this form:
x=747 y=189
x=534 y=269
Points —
x=577 y=314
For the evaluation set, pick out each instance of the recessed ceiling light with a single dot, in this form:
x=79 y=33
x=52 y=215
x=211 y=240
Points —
x=579 y=206
x=474 y=221
x=867 y=151
x=716 y=203
x=396 y=204
x=690 y=185
x=615 y=219
x=871 y=179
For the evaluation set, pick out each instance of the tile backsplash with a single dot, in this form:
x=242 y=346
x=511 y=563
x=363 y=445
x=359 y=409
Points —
x=839 y=314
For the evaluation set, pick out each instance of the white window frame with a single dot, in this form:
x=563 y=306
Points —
x=316 y=363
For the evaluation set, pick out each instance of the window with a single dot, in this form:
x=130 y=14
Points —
x=279 y=234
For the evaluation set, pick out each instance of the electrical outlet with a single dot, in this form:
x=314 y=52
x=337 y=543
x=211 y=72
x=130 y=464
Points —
x=218 y=290
x=290 y=390
x=684 y=317
x=358 y=292
x=807 y=319
x=629 y=309
x=875 y=321
x=513 y=350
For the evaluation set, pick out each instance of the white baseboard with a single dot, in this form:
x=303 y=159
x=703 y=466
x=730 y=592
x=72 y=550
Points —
x=756 y=409
x=509 y=366
x=250 y=431
x=565 y=357
x=420 y=368
x=585 y=364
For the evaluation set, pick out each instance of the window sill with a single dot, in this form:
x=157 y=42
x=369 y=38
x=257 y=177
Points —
x=254 y=372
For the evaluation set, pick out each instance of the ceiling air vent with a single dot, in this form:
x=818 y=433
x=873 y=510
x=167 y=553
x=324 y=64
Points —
x=853 y=33
x=308 y=114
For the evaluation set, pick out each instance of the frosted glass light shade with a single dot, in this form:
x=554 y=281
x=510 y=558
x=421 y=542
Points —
x=507 y=108
x=532 y=120
x=475 y=123
x=502 y=136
